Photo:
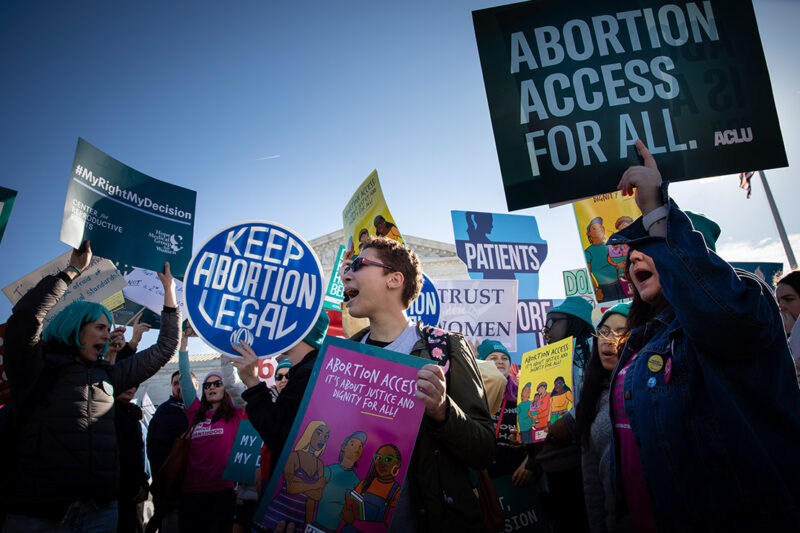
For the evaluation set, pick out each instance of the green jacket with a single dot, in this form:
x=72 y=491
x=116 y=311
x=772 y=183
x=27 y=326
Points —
x=439 y=476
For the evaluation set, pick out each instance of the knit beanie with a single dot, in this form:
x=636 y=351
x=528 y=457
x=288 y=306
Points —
x=620 y=309
x=489 y=346
x=317 y=333
x=575 y=306
x=707 y=227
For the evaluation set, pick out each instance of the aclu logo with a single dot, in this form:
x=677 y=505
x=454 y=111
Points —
x=742 y=135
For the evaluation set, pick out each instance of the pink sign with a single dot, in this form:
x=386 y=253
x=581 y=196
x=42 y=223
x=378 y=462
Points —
x=350 y=446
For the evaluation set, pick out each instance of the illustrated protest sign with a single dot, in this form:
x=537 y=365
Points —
x=480 y=309
x=598 y=218
x=356 y=429
x=365 y=214
x=502 y=246
x=245 y=455
x=257 y=282
x=334 y=295
x=572 y=85
x=545 y=389
x=7 y=197
x=426 y=307
x=129 y=217
x=100 y=282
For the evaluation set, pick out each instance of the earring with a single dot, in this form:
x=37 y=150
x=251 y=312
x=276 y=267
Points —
x=395 y=470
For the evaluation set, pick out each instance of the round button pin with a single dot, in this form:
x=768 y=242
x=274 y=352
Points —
x=651 y=383
x=655 y=363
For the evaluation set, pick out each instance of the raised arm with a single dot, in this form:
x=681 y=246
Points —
x=707 y=294
x=138 y=368
x=22 y=359
x=234 y=387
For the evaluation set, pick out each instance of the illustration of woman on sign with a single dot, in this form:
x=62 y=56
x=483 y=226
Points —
x=541 y=421
x=384 y=228
x=341 y=479
x=560 y=399
x=377 y=493
x=303 y=479
x=524 y=420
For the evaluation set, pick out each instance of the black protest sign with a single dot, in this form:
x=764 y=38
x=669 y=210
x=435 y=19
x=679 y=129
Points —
x=572 y=85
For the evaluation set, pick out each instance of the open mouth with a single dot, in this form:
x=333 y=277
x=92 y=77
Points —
x=349 y=294
x=99 y=347
x=642 y=275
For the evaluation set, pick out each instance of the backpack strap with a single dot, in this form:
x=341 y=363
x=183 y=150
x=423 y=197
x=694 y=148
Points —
x=438 y=346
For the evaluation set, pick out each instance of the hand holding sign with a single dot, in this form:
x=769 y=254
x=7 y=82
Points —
x=432 y=390
x=79 y=260
x=247 y=365
x=646 y=179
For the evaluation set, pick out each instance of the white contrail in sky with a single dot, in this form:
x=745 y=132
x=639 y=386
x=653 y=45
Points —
x=268 y=157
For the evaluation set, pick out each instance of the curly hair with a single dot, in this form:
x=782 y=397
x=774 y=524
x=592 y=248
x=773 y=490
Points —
x=403 y=260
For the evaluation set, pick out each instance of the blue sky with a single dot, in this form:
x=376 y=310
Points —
x=278 y=110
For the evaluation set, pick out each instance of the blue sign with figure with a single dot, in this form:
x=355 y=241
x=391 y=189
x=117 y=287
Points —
x=257 y=282
x=502 y=246
x=425 y=307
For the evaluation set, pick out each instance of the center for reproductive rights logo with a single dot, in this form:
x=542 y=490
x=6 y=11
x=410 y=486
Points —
x=257 y=282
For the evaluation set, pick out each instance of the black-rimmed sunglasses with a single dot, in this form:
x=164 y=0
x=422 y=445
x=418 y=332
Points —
x=359 y=262
x=281 y=377
x=208 y=384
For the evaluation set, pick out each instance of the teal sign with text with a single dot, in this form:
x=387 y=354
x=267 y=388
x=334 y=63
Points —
x=129 y=217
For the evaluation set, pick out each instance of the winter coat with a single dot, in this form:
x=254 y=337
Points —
x=596 y=462
x=712 y=398
x=66 y=440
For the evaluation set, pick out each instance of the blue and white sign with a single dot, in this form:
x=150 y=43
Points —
x=425 y=308
x=257 y=282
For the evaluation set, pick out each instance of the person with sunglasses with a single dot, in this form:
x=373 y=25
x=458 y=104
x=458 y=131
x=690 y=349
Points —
x=559 y=455
x=208 y=502
x=282 y=375
x=593 y=421
x=705 y=404
x=456 y=432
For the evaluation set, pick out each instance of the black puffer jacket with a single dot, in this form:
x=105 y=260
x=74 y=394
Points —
x=64 y=409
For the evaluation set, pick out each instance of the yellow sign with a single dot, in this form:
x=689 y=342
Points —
x=598 y=218
x=545 y=389
x=366 y=214
x=114 y=302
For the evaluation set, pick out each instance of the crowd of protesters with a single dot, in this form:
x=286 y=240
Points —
x=683 y=414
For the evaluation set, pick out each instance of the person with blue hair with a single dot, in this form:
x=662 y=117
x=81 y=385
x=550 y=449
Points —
x=64 y=454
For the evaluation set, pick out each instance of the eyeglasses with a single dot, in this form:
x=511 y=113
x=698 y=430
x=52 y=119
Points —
x=281 y=377
x=359 y=262
x=607 y=334
x=208 y=384
x=549 y=324
x=388 y=459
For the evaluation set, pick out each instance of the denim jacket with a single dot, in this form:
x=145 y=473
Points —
x=718 y=441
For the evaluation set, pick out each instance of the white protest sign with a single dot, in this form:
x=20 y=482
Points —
x=480 y=309
x=144 y=288
x=99 y=281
